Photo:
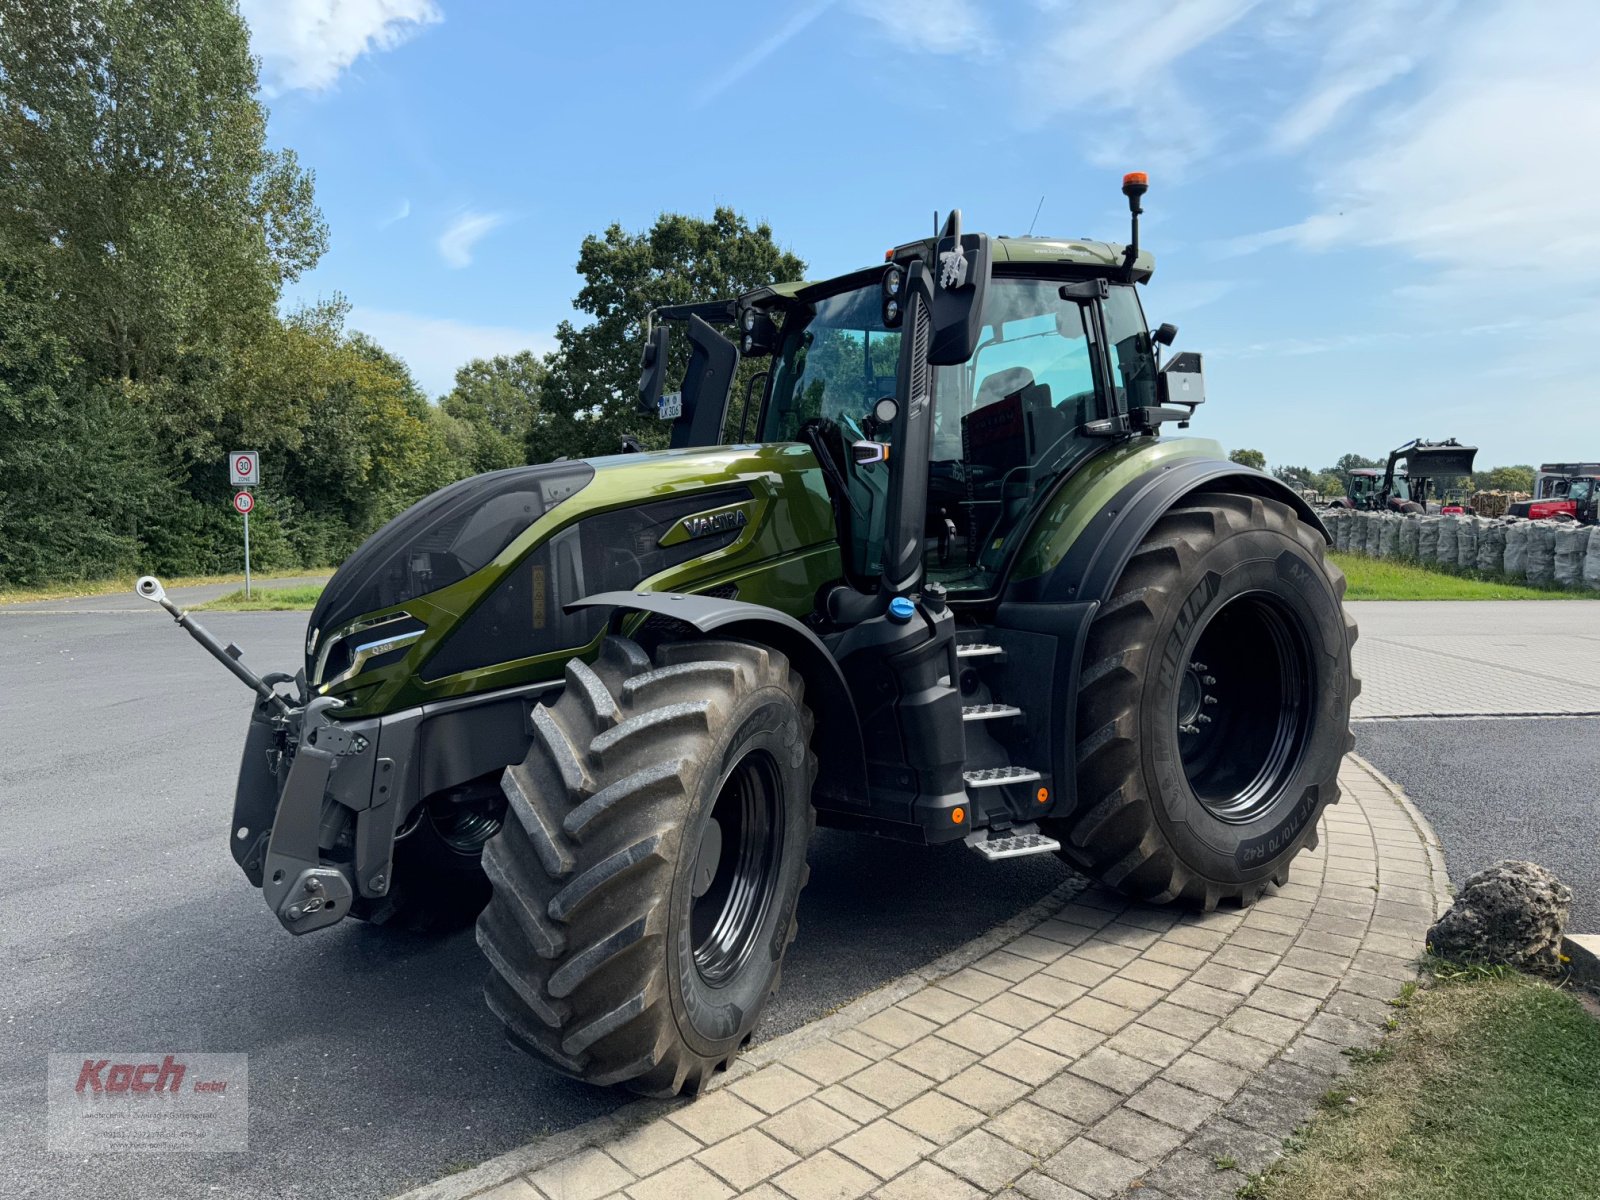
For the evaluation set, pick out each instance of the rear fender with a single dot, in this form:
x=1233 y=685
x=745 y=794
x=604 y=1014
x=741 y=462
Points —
x=842 y=771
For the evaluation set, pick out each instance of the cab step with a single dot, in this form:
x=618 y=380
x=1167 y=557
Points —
x=1000 y=776
x=989 y=712
x=979 y=650
x=1017 y=842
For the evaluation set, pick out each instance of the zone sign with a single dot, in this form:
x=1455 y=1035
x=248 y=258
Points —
x=244 y=468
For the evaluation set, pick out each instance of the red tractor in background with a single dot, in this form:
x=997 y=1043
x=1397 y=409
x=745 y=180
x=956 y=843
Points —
x=1406 y=491
x=1562 y=489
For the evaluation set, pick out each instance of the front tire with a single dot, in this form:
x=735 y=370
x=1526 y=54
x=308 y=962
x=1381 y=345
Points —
x=648 y=872
x=1214 y=706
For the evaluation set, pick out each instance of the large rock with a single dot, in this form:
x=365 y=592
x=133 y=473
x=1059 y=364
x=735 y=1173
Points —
x=1513 y=912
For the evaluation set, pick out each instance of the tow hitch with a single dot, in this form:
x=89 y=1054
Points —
x=290 y=751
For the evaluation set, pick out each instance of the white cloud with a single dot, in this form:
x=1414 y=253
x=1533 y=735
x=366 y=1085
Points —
x=1359 y=49
x=307 y=43
x=433 y=347
x=930 y=26
x=1119 y=63
x=401 y=212
x=1485 y=175
x=462 y=234
x=761 y=51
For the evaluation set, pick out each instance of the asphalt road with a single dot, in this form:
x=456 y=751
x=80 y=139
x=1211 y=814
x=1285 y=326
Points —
x=1503 y=788
x=373 y=1064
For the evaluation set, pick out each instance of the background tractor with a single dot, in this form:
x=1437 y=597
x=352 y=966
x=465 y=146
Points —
x=958 y=590
x=1405 y=490
x=1562 y=489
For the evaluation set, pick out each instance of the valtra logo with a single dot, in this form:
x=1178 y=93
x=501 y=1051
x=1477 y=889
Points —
x=706 y=524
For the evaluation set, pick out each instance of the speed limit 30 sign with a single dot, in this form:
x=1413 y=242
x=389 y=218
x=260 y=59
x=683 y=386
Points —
x=244 y=468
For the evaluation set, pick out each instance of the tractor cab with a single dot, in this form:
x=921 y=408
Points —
x=940 y=451
x=1049 y=379
x=1364 y=488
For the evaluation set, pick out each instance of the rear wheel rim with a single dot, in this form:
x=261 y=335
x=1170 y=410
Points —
x=736 y=868
x=1244 y=706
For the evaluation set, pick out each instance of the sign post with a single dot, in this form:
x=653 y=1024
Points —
x=244 y=471
x=243 y=502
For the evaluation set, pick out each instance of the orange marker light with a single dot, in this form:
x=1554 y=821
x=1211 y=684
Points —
x=1135 y=177
x=957 y=815
x=1043 y=796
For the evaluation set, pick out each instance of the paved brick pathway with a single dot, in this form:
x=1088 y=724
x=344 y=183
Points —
x=1108 y=1046
x=1481 y=657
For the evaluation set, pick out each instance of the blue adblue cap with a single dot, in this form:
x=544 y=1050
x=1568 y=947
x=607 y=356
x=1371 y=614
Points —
x=901 y=609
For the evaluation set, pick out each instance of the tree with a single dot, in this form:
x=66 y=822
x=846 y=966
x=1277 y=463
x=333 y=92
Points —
x=1512 y=479
x=587 y=397
x=1249 y=458
x=138 y=177
x=498 y=400
x=145 y=233
x=1349 y=462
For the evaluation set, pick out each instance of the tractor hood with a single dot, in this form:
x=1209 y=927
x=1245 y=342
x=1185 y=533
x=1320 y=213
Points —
x=467 y=588
x=439 y=541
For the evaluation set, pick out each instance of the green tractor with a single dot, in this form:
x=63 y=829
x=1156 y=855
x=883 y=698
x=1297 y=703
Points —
x=957 y=589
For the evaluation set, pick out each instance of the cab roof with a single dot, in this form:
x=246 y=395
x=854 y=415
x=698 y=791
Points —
x=1020 y=251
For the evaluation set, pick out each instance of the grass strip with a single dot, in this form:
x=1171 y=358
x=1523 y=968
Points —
x=1488 y=1088
x=295 y=599
x=1387 y=579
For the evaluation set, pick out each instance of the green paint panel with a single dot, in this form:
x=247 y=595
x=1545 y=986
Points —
x=781 y=557
x=1092 y=488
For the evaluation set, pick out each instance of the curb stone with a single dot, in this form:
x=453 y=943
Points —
x=1088 y=1047
x=1583 y=949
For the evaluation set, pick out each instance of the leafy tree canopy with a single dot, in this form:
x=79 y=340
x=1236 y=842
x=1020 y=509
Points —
x=1249 y=458
x=499 y=399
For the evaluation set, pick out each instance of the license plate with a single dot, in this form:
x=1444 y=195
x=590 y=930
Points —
x=670 y=406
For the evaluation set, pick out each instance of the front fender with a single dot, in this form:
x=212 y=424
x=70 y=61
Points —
x=842 y=770
x=1089 y=569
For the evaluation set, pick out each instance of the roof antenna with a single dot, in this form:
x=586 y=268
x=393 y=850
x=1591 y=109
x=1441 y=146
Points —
x=936 y=223
x=1035 y=220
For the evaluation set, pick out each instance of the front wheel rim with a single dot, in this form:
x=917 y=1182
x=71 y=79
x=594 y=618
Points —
x=1244 y=706
x=735 y=872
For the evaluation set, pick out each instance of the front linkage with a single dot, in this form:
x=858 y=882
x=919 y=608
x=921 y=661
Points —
x=291 y=751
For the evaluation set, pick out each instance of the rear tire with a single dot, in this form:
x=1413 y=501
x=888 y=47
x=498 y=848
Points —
x=649 y=868
x=1214 y=706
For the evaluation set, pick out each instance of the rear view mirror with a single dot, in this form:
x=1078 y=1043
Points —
x=960 y=271
x=1181 y=380
x=653 y=369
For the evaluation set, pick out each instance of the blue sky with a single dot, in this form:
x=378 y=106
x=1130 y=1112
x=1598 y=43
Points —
x=1379 y=220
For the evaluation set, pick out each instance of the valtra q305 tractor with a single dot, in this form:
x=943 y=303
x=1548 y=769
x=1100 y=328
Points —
x=956 y=589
